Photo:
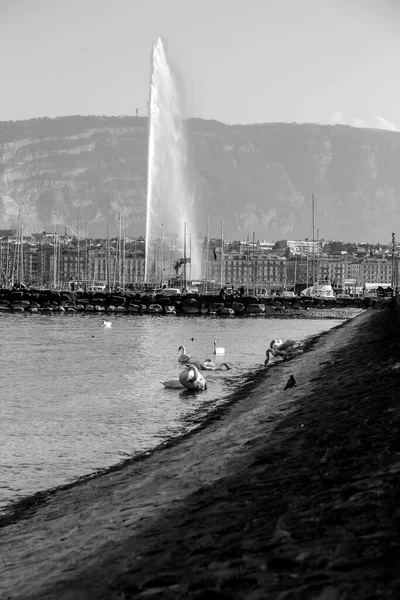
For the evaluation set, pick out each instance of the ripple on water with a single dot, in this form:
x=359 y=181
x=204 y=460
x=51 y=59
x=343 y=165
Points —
x=77 y=397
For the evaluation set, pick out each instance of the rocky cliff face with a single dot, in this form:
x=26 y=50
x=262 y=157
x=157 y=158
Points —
x=256 y=178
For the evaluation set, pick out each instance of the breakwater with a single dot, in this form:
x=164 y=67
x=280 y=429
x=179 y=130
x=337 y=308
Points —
x=47 y=301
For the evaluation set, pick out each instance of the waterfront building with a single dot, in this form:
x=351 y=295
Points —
x=298 y=270
x=105 y=267
x=375 y=270
x=307 y=247
x=247 y=264
x=53 y=260
x=334 y=269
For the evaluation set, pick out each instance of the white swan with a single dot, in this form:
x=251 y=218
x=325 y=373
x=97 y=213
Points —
x=283 y=349
x=183 y=357
x=192 y=379
x=106 y=324
x=275 y=344
x=218 y=350
x=171 y=383
x=208 y=365
x=221 y=367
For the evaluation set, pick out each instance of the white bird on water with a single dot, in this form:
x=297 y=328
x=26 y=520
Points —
x=218 y=350
x=171 y=383
x=106 y=324
x=183 y=357
x=192 y=379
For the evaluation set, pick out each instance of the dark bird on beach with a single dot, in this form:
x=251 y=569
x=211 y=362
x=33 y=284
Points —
x=291 y=383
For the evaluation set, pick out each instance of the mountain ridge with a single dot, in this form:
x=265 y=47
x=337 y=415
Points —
x=255 y=178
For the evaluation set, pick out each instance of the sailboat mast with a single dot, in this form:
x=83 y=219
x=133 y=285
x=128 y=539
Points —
x=87 y=256
x=79 y=263
x=16 y=252
x=190 y=258
x=313 y=239
x=247 y=266
x=21 y=277
x=208 y=247
x=54 y=253
x=119 y=251
x=222 y=253
x=253 y=282
x=162 y=254
x=123 y=263
x=8 y=260
x=170 y=264
x=184 y=256
x=108 y=258
x=59 y=285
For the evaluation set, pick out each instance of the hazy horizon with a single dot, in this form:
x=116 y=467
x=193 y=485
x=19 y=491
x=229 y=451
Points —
x=264 y=61
x=38 y=118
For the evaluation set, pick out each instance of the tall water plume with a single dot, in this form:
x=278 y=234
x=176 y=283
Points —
x=170 y=219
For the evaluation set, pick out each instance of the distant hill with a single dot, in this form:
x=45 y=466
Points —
x=253 y=177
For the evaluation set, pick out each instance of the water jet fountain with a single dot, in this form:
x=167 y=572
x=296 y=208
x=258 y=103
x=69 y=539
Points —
x=171 y=217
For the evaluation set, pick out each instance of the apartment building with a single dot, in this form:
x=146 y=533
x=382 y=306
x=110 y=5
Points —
x=250 y=264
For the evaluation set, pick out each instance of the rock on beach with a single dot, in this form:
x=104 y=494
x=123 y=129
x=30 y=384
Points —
x=283 y=494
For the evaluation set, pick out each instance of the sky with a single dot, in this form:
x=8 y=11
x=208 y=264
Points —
x=239 y=61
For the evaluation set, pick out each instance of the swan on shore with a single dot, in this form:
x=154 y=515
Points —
x=192 y=379
x=282 y=349
x=288 y=345
x=184 y=357
x=275 y=344
x=106 y=324
x=218 y=350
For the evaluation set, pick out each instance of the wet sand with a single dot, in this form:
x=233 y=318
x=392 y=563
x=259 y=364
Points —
x=285 y=494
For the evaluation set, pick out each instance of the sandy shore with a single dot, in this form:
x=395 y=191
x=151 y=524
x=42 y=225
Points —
x=286 y=494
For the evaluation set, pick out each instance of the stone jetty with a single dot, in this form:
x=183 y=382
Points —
x=49 y=301
x=286 y=494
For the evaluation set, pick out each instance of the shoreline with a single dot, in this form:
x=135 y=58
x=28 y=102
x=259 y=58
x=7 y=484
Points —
x=338 y=312
x=23 y=507
x=189 y=513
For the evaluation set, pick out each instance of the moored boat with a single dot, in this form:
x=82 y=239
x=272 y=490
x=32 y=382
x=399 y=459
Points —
x=120 y=309
x=155 y=308
x=134 y=308
x=256 y=310
x=226 y=312
x=320 y=289
x=170 y=310
x=19 y=306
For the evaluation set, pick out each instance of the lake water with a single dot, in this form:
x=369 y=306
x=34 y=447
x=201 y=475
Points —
x=76 y=398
